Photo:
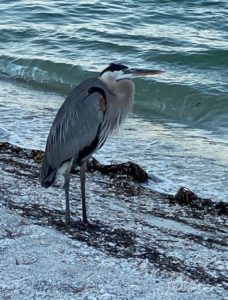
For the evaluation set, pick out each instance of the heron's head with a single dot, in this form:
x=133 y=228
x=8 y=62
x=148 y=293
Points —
x=116 y=72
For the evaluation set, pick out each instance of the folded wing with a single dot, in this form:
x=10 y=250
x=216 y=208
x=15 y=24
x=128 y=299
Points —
x=76 y=128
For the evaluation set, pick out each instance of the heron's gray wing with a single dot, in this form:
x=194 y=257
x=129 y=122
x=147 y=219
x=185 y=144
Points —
x=76 y=125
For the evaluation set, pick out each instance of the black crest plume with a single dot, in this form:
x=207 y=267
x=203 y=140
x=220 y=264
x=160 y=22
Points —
x=114 y=67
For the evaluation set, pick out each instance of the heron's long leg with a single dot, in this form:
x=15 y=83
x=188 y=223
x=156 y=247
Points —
x=82 y=180
x=67 y=187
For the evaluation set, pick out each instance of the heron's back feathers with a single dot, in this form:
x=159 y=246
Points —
x=75 y=132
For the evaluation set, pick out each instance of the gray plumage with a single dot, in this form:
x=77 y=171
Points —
x=72 y=130
x=93 y=109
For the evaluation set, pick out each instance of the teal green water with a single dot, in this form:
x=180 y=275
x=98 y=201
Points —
x=58 y=43
x=47 y=47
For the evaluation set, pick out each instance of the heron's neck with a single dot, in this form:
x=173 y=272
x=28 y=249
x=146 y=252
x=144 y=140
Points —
x=120 y=102
x=124 y=91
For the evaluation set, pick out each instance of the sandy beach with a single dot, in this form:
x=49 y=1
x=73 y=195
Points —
x=143 y=245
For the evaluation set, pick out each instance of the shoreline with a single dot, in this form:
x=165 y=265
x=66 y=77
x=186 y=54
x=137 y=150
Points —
x=175 y=154
x=128 y=171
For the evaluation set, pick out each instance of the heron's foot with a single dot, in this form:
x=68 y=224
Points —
x=68 y=220
x=85 y=222
x=90 y=225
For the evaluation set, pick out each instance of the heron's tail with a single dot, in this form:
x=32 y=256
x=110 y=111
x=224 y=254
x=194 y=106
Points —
x=47 y=174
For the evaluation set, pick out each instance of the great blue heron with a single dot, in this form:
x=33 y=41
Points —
x=89 y=114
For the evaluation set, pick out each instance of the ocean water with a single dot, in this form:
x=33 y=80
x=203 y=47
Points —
x=179 y=128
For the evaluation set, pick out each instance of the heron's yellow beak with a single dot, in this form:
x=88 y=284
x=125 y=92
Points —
x=142 y=72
